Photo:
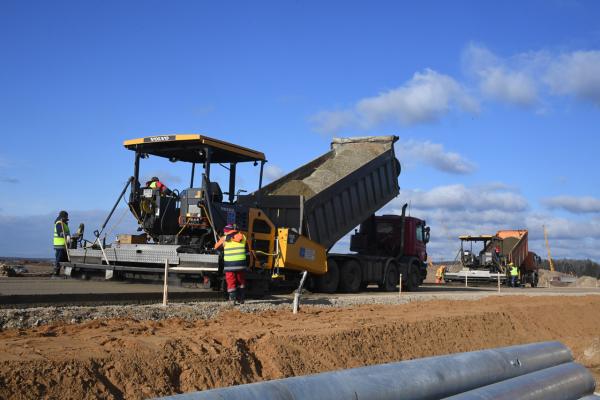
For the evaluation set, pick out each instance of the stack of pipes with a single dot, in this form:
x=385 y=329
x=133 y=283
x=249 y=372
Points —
x=527 y=372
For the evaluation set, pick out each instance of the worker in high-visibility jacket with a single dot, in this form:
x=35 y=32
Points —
x=514 y=274
x=61 y=240
x=235 y=262
x=440 y=274
x=155 y=183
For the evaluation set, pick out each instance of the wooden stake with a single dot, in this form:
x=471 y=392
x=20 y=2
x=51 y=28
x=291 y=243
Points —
x=298 y=292
x=400 y=286
x=166 y=285
x=498 y=282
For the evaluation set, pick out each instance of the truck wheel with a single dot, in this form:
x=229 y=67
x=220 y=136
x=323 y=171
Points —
x=391 y=279
x=350 y=276
x=412 y=282
x=328 y=283
x=534 y=279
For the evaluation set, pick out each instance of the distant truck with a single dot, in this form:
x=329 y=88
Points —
x=491 y=262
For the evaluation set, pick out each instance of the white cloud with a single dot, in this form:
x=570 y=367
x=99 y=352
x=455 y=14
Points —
x=563 y=228
x=273 y=172
x=497 y=80
x=435 y=155
x=510 y=87
x=576 y=73
x=459 y=197
x=426 y=97
x=522 y=78
x=578 y=205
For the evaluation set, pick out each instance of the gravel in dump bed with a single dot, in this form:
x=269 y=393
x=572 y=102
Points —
x=346 y=159
x=33 y=317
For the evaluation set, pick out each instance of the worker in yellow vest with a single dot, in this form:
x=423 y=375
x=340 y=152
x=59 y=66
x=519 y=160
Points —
x=514 y=274
x=61 y=240
x=440 y=274
x=235 y=262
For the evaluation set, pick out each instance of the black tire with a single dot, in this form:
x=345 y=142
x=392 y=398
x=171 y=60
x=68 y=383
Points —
x=392 y=277
x=350 y=276
x=329 y=282
x=413 y=279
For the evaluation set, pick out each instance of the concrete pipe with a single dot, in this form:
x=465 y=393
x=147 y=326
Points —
x=568 y=381
x=427 y=378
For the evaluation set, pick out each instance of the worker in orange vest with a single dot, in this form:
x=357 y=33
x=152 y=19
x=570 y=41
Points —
x=235 y=262
x=440 y=273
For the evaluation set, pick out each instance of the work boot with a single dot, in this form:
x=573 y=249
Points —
x=232 y=298
x=241 y=297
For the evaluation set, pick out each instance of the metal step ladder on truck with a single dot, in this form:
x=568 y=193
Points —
x=490 y=264
x=290 y=224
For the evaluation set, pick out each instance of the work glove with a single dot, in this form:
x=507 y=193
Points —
x=68 y=240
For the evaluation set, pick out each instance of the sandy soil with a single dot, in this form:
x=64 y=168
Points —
x=140 y=359
x=33 y=267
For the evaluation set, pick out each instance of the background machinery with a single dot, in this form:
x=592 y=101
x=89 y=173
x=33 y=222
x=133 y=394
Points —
x=484 y=258
x=291 y=224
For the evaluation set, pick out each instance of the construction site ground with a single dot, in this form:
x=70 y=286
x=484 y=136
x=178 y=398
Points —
x=141 y=351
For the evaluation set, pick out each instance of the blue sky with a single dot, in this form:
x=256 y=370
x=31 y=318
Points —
x=497 y=104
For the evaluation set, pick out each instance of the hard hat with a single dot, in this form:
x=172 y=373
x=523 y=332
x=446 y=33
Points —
x=154 y=178
x=63 y=215
x=229 y=228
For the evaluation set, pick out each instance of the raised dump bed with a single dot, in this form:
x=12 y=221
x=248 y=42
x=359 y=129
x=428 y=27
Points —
x=329 y=196
x=514 y=245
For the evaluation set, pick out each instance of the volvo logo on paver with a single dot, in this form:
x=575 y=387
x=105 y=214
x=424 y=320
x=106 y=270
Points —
x=159 y=138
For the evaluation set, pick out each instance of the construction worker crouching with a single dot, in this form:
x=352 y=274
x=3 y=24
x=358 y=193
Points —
x=514 y=274
x=61 y=240
x=235 y=262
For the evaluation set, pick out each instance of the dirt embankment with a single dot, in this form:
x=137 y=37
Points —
x=140 y=359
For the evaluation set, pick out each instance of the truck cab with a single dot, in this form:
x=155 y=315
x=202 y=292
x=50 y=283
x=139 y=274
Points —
x=392 y=236
x=386 y=248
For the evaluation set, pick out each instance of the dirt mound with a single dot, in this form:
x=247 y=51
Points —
x=139 y=359
x=555 y=278
x=586 y=281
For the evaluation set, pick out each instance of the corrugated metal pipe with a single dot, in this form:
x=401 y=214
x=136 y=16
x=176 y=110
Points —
x=563 y=382
x=427 y=378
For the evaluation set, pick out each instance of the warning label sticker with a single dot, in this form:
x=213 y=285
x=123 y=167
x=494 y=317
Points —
x=309 y=254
